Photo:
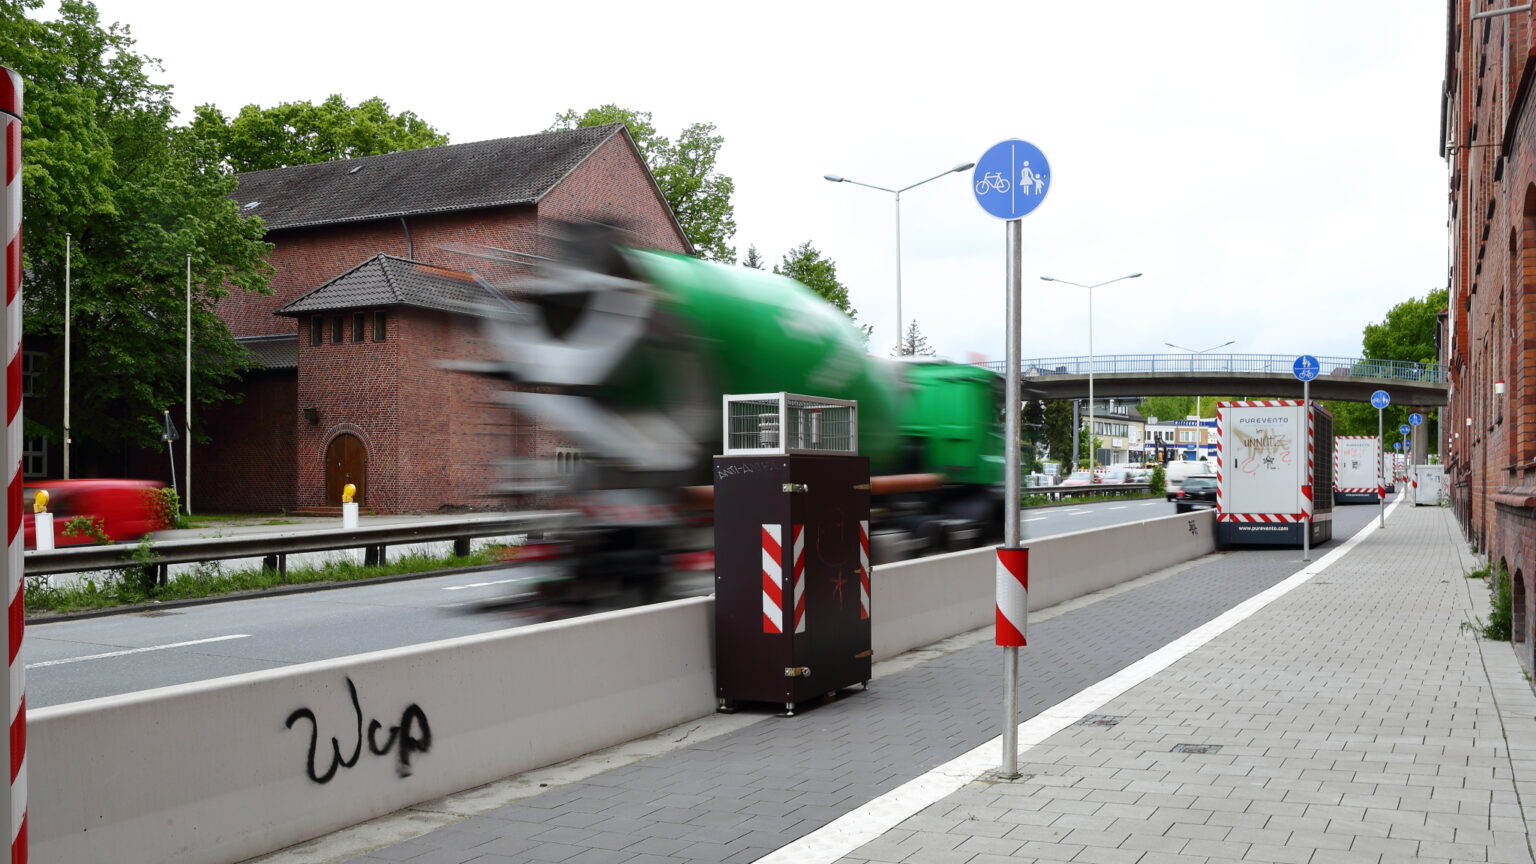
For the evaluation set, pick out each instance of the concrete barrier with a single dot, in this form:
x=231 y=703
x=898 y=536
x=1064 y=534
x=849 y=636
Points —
x=222 y=770
x=920 y=602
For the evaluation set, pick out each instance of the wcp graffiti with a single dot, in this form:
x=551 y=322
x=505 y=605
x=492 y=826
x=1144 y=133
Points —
x=412 y=735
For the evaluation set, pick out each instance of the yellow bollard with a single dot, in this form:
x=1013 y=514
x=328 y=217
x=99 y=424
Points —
x=42 y=522
x=348 y=492
x=348 y=507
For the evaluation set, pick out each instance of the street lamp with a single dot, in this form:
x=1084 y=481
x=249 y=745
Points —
x=838 y=178
x=1192 y=353
x=1093 y=452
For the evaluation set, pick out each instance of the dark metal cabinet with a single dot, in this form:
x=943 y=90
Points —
x=776 y=518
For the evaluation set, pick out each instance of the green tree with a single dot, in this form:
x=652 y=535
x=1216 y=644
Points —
x=1168 y=407
x=1056 y=417
x=699 y=195
x=753 y=259
x=103 y=164
x=805 y=264
x=300 y=133
x=1408 y=331
x=914 y=343
x=1032 y=429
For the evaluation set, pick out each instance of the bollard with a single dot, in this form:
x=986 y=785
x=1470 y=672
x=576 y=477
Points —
x=42 y=521
x=348 y=507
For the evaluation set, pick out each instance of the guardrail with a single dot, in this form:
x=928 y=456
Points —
x=1269 y=364
x=274 y=549
x=1059 y=492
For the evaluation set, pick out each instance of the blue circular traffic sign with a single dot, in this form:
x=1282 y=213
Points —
x=1011 y=179
x=1397 y=445
x=1415 y=419
x=1380 y=400
x=1403 y=429
x=1305 y=368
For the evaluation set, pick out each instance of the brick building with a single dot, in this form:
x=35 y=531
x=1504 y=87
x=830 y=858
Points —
x=378 y=262
x=1488 y=332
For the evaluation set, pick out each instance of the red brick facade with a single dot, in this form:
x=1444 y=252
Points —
x=1488 y=334
x=432 y=436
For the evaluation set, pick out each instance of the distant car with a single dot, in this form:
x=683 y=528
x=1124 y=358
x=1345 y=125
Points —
x=125 y=509
x=1138 y=475
x=1177 y=470
x=1114 y=478
x=1197 y=493
x=1080 y=478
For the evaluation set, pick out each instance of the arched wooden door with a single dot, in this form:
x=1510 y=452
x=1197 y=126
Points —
x=345 y=462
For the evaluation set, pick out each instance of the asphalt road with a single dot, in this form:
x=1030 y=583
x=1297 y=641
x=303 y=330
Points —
x=72 y=660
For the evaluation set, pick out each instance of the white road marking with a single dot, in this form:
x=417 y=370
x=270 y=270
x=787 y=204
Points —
x=1033 y=519
x=136 y=651
x=843 y=835
x=1078 y=512
x=1121 y=507
x=483 y=584
x=1153 y=503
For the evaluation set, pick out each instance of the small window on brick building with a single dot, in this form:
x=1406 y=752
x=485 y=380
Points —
x=338 y=332
x=380 y=320
x=316 y=330
x=357 y=326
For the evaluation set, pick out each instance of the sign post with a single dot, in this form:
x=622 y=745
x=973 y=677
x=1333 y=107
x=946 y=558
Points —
x=1414 y=420
x=13 y=798
x=1380 y=400
x=1305 y=369
x=168 y=434
x=1010 y=181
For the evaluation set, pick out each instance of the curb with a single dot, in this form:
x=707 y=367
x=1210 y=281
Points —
x=279 y=591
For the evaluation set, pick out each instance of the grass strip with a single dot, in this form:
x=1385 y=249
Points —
x=128 y=586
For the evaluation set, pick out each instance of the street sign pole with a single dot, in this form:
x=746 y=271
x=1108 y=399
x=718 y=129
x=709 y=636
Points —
x=1380 y=400
x=1306 y=414
x=1012 y=456
x=1010 y=180
x=1305 y=369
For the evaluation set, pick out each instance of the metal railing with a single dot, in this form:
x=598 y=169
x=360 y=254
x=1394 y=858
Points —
x=1251 y=364
x=274 y=549
x=1057 y=493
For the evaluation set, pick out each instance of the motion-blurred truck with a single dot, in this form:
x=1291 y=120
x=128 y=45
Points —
x=1274 y=469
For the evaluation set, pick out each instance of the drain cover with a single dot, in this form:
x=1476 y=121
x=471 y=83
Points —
x=1197 y=748
x=1099 y=720
x=158 y=613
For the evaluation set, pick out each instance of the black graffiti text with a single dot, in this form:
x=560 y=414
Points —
x=412 y=735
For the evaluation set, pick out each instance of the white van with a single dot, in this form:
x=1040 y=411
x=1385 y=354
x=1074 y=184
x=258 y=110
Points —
x=1175 y=472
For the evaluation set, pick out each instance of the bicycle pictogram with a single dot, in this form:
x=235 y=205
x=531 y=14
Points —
x=992 y=180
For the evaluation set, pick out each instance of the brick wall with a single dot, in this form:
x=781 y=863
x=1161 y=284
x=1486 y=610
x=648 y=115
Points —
x=613 y=186
x=248 y=463
x=1490 y=442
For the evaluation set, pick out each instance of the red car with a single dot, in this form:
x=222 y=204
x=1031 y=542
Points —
x=125 y=509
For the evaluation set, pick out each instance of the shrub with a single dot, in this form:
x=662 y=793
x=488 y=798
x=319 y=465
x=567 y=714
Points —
x=1159 y=480
x=166 y=505
x=1501 y=617
x=86 y=526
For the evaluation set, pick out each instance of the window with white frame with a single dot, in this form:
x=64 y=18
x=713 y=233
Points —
x=1189 y=436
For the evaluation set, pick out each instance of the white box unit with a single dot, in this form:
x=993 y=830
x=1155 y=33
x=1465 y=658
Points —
x=777 y=424
x=1357 y=469
x=1274 y=468
x=1428 y=483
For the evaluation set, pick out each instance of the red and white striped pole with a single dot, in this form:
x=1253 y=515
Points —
x=16 y=698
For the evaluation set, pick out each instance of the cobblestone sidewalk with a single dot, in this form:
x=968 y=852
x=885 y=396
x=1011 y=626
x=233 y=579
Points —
x=1358 y=719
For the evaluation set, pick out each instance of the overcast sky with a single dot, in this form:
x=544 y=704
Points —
x=1272 y=168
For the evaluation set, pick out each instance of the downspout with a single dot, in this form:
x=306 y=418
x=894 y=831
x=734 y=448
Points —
x=410 y=245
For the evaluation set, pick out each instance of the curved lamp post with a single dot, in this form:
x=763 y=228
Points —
x=1192 y=353
x=838 y=178
x=1093 y=452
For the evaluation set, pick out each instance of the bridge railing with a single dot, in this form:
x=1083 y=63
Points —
x=1277 y=364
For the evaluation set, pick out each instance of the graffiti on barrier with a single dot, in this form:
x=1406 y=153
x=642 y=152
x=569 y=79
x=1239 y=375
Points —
x=412 y=735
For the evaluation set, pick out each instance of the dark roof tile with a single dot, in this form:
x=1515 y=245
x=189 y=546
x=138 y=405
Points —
x=274 y=352
x=385 y=280
x=502 y=172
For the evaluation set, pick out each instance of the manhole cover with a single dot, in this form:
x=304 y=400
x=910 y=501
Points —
x=1196 y=748
x=1099 y=720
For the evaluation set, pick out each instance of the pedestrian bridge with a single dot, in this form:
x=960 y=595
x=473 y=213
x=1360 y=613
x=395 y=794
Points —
x=1245 y=375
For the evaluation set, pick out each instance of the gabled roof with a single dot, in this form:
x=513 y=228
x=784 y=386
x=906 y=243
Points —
x=502 y=172
x=385 y=280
